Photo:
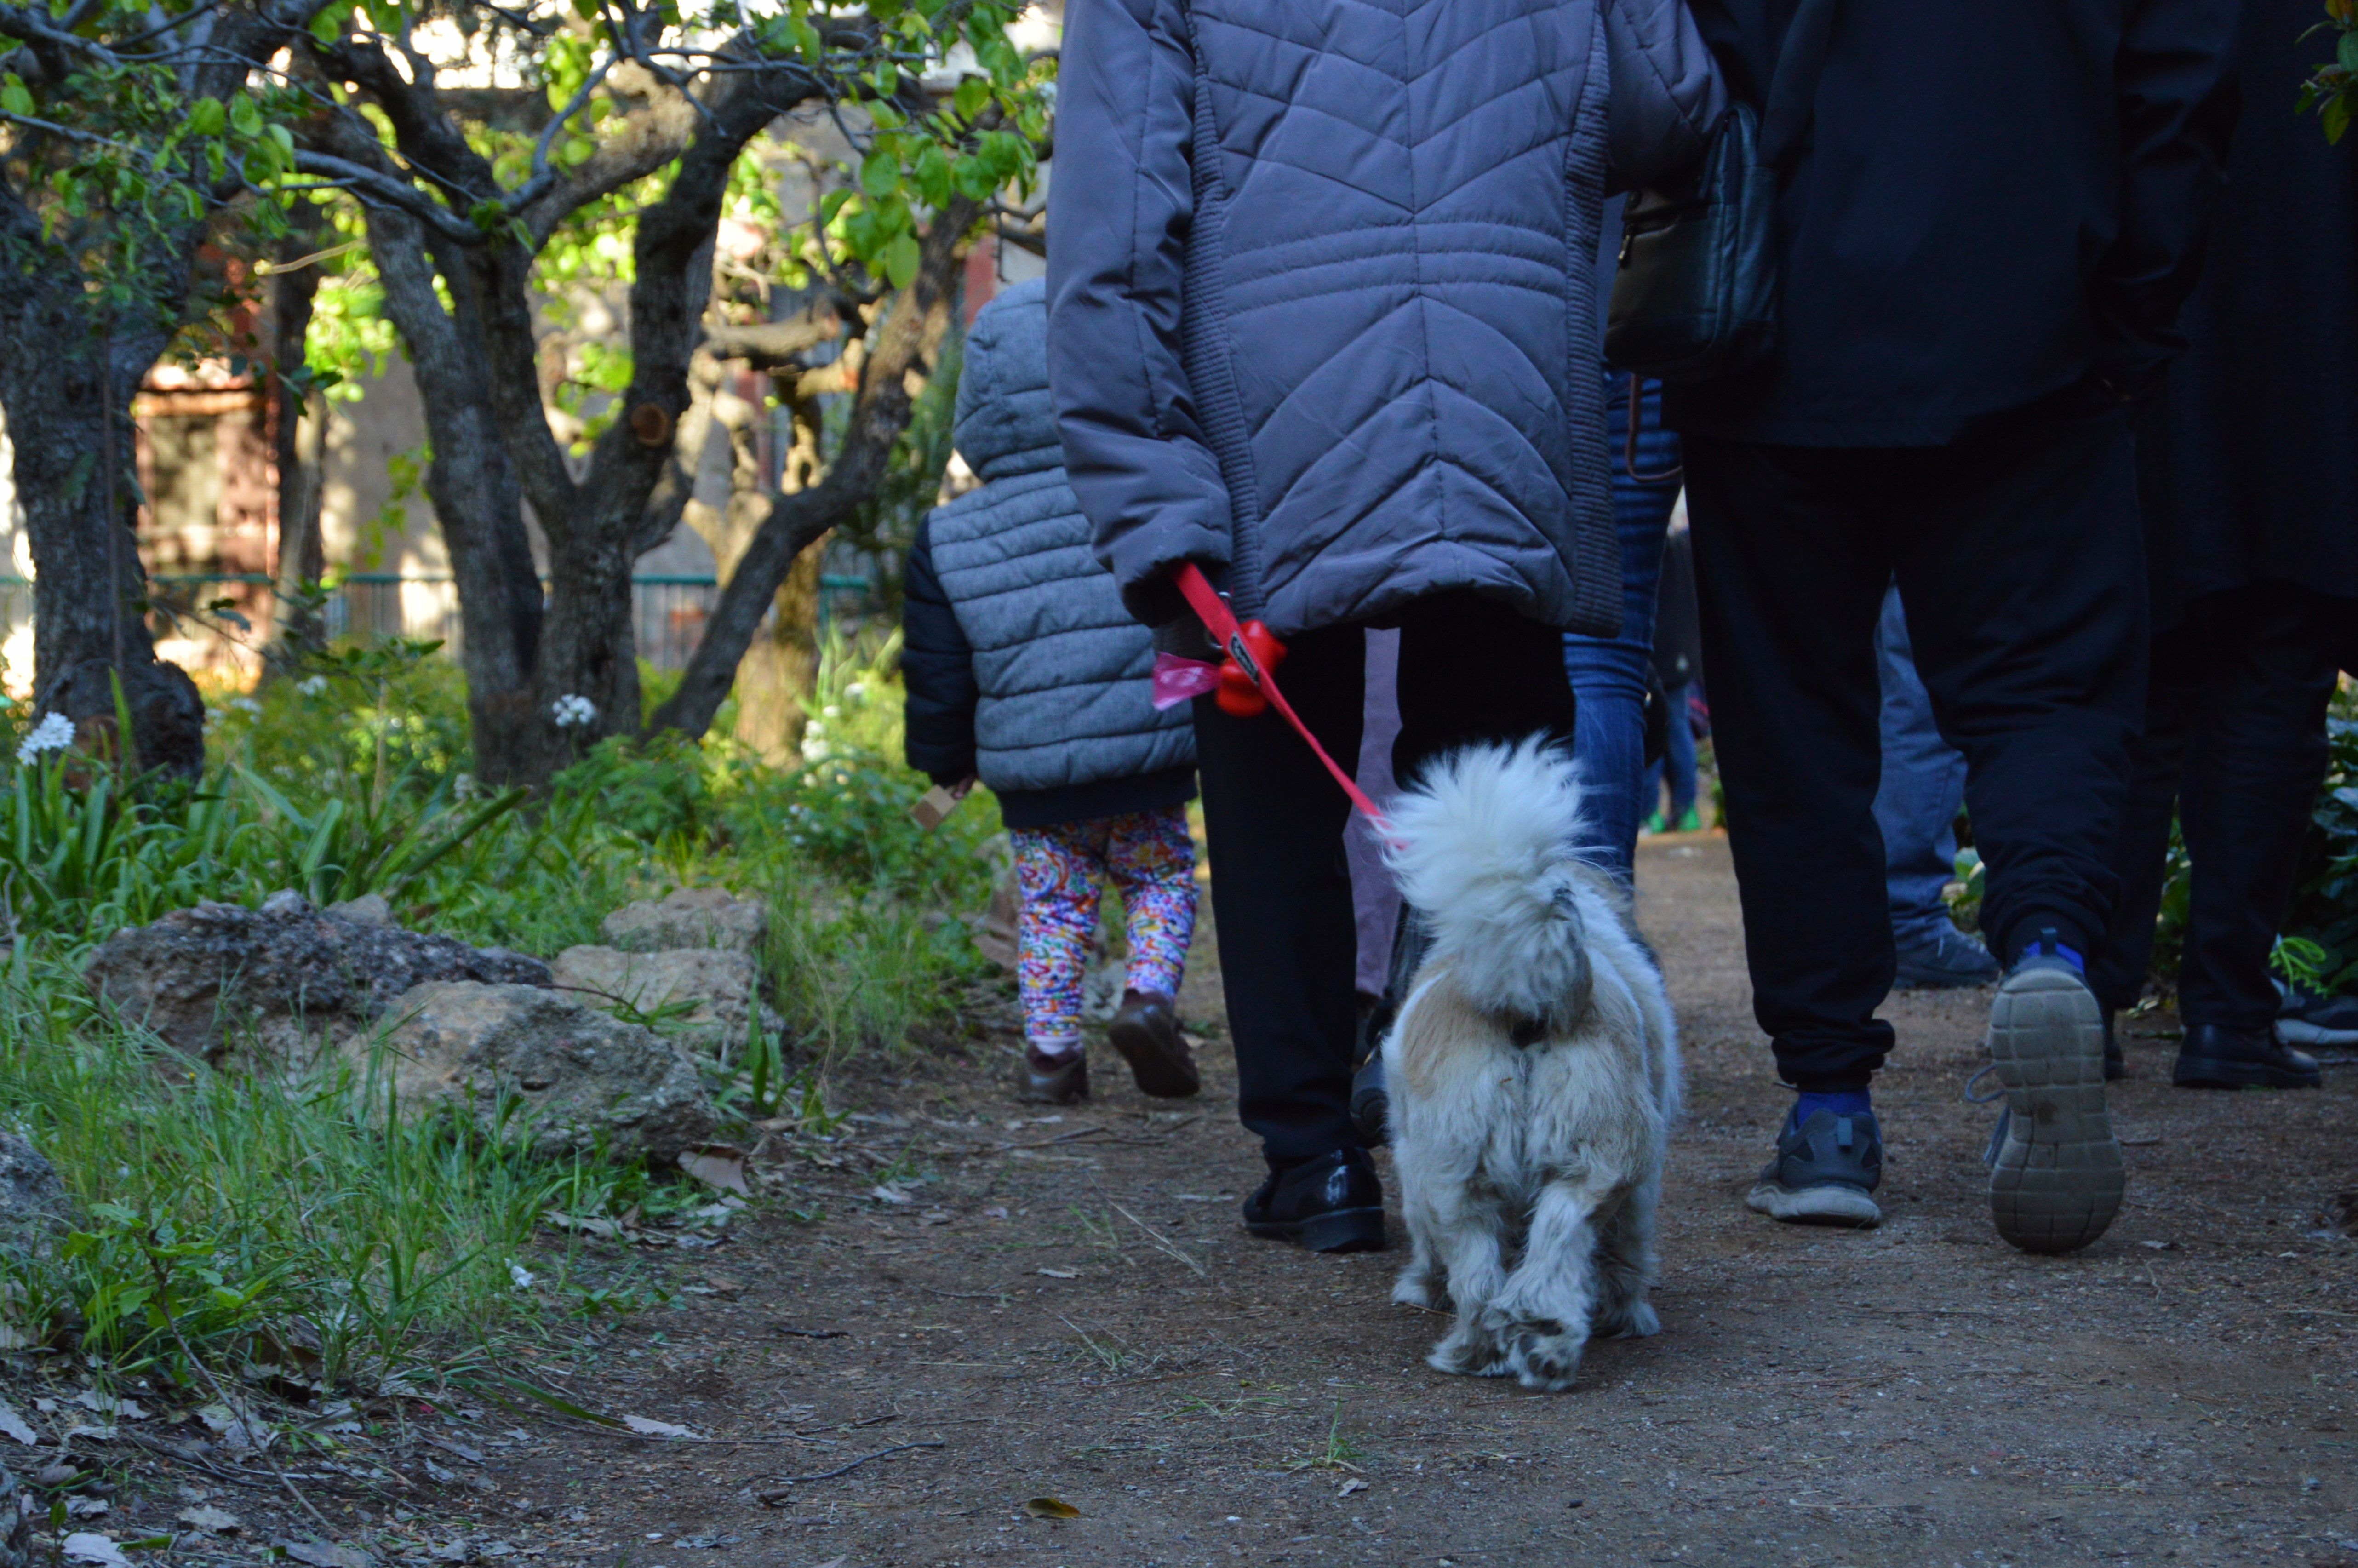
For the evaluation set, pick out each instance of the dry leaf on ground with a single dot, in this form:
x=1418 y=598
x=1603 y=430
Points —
x=88 y=1546
x=1050 y=1508
x=642 y=1425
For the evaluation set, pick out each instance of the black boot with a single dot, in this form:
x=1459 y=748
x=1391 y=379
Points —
x=2116 y=1065
x=2213 y=1057
x=1328 y=1203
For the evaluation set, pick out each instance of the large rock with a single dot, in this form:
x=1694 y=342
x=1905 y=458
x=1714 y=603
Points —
x=719 y=986
x=692 y=917
x=579 y=1079
x=34 y=1205
x=281 y=975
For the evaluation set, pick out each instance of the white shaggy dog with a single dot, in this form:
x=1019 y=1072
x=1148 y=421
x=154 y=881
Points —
x=1533 y=1073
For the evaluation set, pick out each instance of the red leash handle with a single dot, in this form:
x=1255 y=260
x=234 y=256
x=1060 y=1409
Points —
x=1253 y=655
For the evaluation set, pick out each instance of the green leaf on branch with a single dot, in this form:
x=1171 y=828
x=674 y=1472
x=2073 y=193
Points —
x=880 y=174
x=901 y=258
x=972 y=94
x=2347 y=53
x=245 y=115
x=16 y=98
x=2335 y=117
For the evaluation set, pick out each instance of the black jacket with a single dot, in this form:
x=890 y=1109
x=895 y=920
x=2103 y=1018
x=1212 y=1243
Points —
x=2249 y=458
x=1998 y=199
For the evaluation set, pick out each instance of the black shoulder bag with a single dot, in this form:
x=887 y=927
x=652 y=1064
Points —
x=1696 y=294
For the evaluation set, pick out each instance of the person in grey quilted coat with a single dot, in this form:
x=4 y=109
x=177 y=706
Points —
x=1323 y=321
x=1022 y=669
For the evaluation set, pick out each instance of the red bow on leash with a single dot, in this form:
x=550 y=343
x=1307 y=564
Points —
x=1247 y=677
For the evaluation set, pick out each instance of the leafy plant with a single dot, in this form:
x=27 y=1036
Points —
x=2332 y=90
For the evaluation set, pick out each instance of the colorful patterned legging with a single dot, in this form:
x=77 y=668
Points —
x=1151 y=859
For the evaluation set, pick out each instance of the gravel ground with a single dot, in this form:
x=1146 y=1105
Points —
x=1064 y=1312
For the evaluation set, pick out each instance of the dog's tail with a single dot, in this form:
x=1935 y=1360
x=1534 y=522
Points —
x=1486 y=860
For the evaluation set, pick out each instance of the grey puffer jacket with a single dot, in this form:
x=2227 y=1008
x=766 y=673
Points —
x=1021 y=664
x=1323 y=301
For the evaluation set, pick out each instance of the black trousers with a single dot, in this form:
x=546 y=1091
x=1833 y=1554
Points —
x=2234 y=741
x=1470 y=670
x=2016 y=552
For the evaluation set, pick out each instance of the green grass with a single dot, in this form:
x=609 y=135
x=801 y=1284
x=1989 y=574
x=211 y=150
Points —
x=244 y=1216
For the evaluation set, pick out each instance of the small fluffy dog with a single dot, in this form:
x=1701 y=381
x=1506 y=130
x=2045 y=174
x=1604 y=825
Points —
x=1533 y=1074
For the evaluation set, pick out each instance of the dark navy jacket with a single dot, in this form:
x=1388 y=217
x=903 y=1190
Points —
x=2000 y=199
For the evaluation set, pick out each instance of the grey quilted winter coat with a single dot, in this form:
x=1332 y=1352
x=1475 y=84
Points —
x=1322 y=290
x=1021 y=664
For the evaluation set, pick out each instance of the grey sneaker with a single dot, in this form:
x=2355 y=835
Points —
x=2055 y=1169
x=1826 y=1171
x=1950 y=960
x=2307 y=1018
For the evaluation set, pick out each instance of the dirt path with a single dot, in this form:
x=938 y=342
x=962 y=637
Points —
x=1068 y=1309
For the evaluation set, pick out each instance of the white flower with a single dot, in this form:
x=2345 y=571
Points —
x=573 y=712
x=525 y=1279
x=312 y=687
x=245 y=705
x=832 y=711
x=857 y=690
x=54 y=732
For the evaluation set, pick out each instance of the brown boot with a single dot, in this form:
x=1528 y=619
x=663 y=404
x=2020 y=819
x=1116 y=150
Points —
x=1146 y=1032
x=1058 y=1079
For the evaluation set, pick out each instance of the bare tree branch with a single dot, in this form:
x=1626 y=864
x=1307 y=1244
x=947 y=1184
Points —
x=881 y=412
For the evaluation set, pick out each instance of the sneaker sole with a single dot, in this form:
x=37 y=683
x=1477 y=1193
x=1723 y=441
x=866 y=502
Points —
x=2293 y=1032
x=1338 y=1230
x=1159 y=1074
x=1828 y=1205
x=2057 y=1181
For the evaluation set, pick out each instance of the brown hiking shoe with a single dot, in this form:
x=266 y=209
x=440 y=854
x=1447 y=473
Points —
x=1060 y=1079
x=1146 y=1032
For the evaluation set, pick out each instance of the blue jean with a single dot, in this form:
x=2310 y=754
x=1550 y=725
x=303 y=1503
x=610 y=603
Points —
x=1677 y=763
x=1923 y=785
x=1608 y=673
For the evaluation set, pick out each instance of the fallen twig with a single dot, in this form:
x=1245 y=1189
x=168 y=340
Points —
x=808 y=1333
x=1159 y=1240
x=777 y=1493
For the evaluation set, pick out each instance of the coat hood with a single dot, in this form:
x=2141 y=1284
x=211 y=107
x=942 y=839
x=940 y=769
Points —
x=1006 y=425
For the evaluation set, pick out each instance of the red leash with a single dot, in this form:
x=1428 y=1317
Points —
x=1249 y=676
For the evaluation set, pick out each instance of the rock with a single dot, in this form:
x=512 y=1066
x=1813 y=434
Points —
x=691 y=917
x=577 y=1075
x=369 y=909
x=16 y=1524
x=34 y=1206
x=281 y=975
x=720 y=983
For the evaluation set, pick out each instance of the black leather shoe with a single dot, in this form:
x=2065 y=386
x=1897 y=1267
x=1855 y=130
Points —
x=1328 y=1203
x=2211 y=1058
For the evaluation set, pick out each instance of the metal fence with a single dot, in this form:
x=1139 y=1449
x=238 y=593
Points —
x=667 y=612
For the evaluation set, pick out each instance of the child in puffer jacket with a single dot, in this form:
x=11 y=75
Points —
x=1024 y=669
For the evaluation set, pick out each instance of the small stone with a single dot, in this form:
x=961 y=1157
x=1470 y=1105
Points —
x=691 y=917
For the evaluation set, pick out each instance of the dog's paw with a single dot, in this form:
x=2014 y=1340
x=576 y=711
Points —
x=1469 y=1351
x=1636 y=1321
x=1414 y=1288
x=1544 y=1355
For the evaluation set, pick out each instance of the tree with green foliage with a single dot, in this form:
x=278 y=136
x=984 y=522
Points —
x=2332 y=92
x=141 y=153
x=620 y=131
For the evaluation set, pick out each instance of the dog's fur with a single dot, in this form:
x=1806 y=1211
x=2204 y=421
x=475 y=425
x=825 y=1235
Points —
x=1533 y=1074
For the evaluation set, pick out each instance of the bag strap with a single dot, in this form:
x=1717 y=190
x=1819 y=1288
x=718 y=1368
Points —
x=1794 y=85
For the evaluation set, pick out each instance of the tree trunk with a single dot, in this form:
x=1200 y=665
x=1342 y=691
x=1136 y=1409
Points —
x=299 y=434
x=477 y=503
x=902 y=345
x=67 y=392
